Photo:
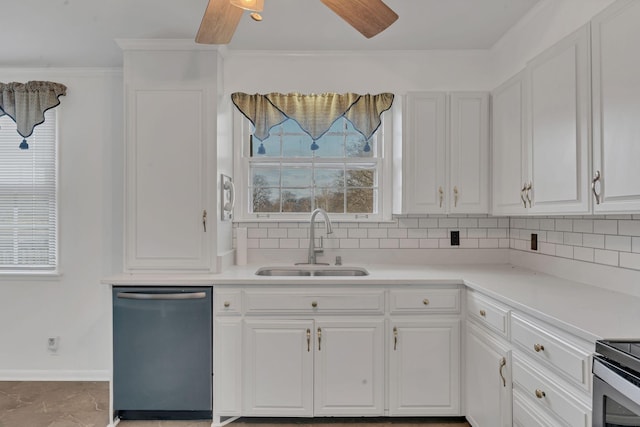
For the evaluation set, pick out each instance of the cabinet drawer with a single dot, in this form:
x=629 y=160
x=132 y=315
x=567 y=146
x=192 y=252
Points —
x=283 y=302
x=553 y=349
x=425 y=301
x=488 y=313
x=227 y=302
x=542 y=392
x=527 y=415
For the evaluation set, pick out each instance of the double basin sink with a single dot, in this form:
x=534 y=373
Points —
x=312 y=270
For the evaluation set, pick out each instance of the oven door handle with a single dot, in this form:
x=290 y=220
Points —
x=612 y=375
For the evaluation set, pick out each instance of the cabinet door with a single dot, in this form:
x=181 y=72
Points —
x=349 y=368
x=469 y=152
x=424 y=154
x=166 y=180
x=227 y=370
x=424 y=367
x=559 y=126
x=509 y=158
x=278 y=368
x=616 y=107
x=488 y=380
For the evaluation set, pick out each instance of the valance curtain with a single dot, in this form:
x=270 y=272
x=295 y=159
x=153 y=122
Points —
x=26 y=103
x=315 y=113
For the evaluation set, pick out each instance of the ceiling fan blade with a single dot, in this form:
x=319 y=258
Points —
x=369 y=17
x=219 y=22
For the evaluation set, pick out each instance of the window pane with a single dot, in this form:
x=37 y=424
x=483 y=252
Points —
x=297 y=146
x=355 y=145
x=329 y=177
x=296 y=176
x=266 y=177
x=330 y=199
x=361 y=178
x=360 y=200
x=266 y=199
x=296 y=200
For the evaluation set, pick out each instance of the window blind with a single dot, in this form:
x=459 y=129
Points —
x=28 y=199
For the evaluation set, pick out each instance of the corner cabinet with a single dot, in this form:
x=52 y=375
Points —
x=170 y=158
x=329 y=351
x=616 y=108
x=446 y=153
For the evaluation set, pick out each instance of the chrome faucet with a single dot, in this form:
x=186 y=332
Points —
x=313 y=251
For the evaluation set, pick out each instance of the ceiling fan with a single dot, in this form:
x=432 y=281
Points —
x=221 y=17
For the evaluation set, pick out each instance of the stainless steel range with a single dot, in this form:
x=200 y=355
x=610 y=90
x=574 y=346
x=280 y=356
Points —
x=616 y=383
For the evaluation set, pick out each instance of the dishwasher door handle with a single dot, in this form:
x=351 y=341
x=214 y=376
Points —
x=147 y=296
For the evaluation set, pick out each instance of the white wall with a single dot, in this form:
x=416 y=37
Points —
x=542 y=27
x=74 y=306
x=360 y=72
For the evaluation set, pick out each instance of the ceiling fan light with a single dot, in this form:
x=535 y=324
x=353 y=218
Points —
x=256 y=16
x=252 y=5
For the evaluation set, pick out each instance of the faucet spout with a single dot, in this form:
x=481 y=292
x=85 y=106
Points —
x=313 y=251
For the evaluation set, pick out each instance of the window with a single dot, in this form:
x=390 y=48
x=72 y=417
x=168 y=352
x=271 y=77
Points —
x=285 y=179
x=28 y=199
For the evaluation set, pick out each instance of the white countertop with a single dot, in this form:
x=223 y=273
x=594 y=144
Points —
x=587 y=311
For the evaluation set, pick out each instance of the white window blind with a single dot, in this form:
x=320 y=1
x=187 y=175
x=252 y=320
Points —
x=28 y=199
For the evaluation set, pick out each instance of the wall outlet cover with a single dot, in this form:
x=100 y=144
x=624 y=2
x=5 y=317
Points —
x=455 y=238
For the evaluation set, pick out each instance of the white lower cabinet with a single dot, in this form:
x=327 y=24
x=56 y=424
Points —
x=488 y=379
x=349 y=367
x=424 y=367
x=278 y=368
x=304 y=368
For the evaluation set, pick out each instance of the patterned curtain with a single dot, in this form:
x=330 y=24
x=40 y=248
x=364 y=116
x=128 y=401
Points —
x=314 y=113
x=26 y=104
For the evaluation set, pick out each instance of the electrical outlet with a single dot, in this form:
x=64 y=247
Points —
x=534 y=242
x=455 y=238
x=53 y=344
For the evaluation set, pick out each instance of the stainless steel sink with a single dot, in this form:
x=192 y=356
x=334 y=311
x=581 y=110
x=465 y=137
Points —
x=312 y=270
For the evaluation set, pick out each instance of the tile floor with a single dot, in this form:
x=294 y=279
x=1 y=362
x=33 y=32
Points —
x=86 y=404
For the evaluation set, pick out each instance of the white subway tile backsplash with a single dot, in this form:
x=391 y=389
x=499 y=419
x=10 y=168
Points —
x=448 y=223
x=409 y=243
x=617 y=243
x=583 y=254
x=605 y=226
x=604 y=239
x=357 y=233
x=389 y=244
x=564 y=225
x=630 y=260
x=378 y=233
x=629 y=228
x=583 y=226
x=606 y=257
x=398 y=233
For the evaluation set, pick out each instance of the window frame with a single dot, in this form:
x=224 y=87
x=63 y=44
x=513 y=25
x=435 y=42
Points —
x=44 y=271
x=242 y=130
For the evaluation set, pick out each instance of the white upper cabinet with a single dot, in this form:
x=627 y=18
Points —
x=170 y=162
x=558 y=131
x=469 y=152
x=424 y=153
x=616 y=108
x=509 y=155
x=445 y=153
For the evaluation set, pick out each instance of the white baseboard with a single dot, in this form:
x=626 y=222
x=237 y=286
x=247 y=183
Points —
x=52 y=375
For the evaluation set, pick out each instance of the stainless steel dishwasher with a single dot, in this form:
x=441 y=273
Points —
x=162 y=353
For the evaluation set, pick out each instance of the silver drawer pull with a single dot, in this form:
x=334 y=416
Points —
x=314 y=304
x=227 y=304
x=540 y=394
x=425 y=301
x=538 y=348
x=483 y=313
